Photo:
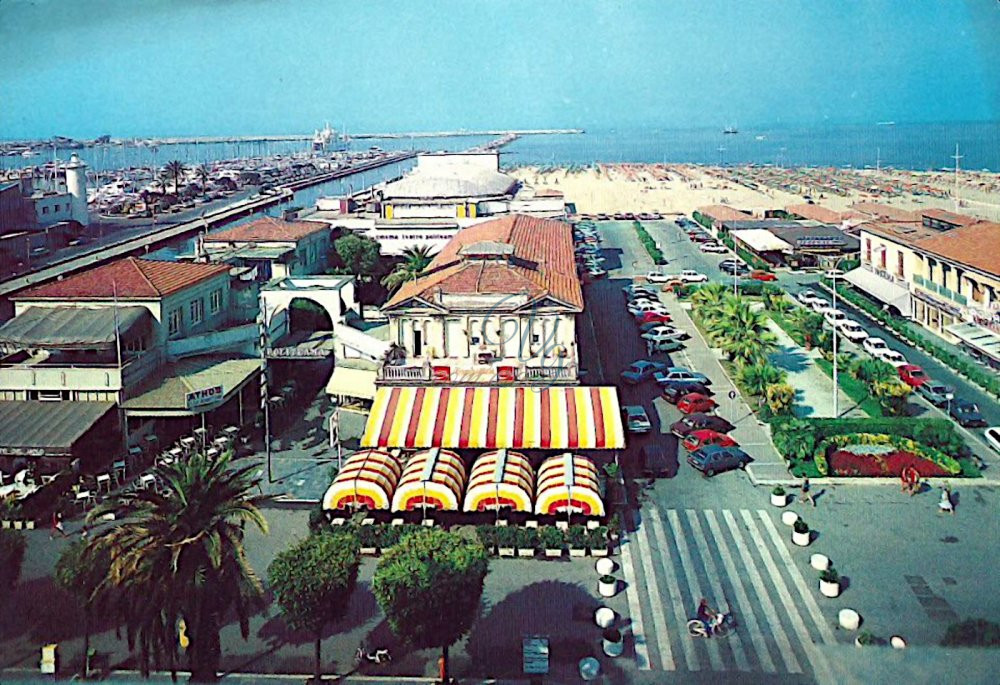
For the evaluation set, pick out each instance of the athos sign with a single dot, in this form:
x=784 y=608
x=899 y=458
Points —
x=203 y=397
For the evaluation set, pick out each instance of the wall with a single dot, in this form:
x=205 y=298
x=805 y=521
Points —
x=51 y=209
x=182 y=300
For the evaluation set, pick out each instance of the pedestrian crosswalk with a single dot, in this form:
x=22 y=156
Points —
x=739 y=560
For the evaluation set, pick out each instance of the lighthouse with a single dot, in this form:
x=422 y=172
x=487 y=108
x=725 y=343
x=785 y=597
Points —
x=76 y=185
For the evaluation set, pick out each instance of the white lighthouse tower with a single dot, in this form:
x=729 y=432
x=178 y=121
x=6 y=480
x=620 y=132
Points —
x=76 y=185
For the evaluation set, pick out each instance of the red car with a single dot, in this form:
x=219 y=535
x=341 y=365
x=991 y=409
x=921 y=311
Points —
x=695 y=440
x=647 y=317
x=912 y=375
x=759 y=275
x=695 y=402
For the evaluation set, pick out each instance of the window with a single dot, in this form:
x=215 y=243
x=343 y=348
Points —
x=868 y=250
x=55 y=209
x=197 y=310
x=215 y=301
x=45 y=210
x=174 y=321
x=899 y=264
x=977 y=292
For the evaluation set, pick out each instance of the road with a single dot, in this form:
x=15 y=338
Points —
x=719 y=538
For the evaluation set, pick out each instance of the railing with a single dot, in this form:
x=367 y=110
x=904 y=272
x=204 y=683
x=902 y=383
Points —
x=941 y=290
x=548 y=373
x=404 y=373
x=477 y=374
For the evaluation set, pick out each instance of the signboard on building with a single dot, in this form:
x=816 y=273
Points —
x=296 y=353
x=203 y=397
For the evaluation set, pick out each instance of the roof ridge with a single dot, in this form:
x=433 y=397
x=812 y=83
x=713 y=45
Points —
x=134 y=261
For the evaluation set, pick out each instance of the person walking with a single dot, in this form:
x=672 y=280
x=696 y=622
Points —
x=57 y=525
x=946 y=505
x=807 y=495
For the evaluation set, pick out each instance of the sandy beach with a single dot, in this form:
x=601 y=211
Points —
x=682 y=188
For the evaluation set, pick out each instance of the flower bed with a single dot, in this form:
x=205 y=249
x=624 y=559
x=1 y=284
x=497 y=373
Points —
x=851 y=462
x=864 y=443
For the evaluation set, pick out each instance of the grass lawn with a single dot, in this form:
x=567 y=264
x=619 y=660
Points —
x=853 y=388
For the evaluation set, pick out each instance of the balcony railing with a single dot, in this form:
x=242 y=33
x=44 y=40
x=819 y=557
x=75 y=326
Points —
x=61 y=375
x=500 y=372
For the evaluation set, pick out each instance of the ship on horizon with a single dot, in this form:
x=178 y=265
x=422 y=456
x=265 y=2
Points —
x=730 y=130
x=328 y=140
x=885 y=123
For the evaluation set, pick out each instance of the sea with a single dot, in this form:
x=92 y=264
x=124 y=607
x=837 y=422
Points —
x=898 y=145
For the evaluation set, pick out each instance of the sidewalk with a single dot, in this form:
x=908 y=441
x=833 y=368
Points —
x=813 y=388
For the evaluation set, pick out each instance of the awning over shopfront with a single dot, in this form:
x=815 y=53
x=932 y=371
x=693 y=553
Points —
x=367 y=481
x=167 y=393
x=982 y=339
x=761 y=240
x=882 y=289
x=352 y=382
x=432 y=479
x=500 y=479
x=569 y=483
x=38 y=429
x=495 y=418
x=71 y=327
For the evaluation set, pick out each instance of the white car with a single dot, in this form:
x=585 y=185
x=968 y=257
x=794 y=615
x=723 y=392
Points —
x=657 y=277
x=851 y=330
x=638 y=289
x=819 y=304
x=874 y=346
x=834 y=316
x=992 y=435
x=661 y=333
x=714 y=248
x=692 y=276
x=645 y=306
x=833 y=273
x=893 y=357
x=807 y=297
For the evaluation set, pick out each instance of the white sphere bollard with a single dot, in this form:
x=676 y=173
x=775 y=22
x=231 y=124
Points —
x=789 y=518
x=849 y=619
x=820 y=562
x=605 y=566
x=897 y=642
x=604 y=617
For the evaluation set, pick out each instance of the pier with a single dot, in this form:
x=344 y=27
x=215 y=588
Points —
x=363 y=136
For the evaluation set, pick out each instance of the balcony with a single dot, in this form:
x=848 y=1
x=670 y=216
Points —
x=933 y=287
x=454 y=371
x=54 y=374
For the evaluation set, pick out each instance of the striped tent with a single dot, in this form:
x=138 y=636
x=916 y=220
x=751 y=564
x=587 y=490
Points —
x=568 y=483
x=432 y=479
x=366 y=481
x=500 y=479
x=495 y=418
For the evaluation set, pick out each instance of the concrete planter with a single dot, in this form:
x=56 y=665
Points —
x=849 y=619
x=506 y=551
x=829 y=589
x=599 y=552
x=18 y=525
x=29 y=524
x=801 y=539
x=685 y=305
x=607 y=586
x=369 y=551
x=526 y=552
x=604 y=617
x=897 y=642
x=553 y=553
x=779 y=500
x=612 y=642
x=7 y=524
x=820 y=562
x=578 y=551
x=789 y=518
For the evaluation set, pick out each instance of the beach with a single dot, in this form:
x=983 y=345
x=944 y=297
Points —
x=682 y=188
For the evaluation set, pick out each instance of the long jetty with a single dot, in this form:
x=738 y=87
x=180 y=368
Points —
x=139 y=245
x=357 y=136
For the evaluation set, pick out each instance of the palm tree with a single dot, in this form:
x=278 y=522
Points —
x=415 y=259
x=757 y=376
x=741 y=331
x=178 y=565
x=203 y=174
x=175 y=169
x=808 y=323
x=709 y=296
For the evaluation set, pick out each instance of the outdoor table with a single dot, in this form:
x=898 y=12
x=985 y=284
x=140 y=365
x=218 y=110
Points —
x=119 y=465
x=147 y=479
x=231 y=431
x=212 y=453
x=199 y=432
x=176 y=452
x=188 y=442
x=134 y=452
x=84 y=495
x=222 y=442
x=105 y=480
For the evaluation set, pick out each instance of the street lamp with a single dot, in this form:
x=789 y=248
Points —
x=833 y=325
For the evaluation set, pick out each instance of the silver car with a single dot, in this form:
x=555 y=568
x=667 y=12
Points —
x=936 y=393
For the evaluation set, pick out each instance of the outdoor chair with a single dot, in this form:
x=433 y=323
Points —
x=104 y=480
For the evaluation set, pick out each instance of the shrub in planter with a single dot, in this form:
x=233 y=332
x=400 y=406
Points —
x=612 y=642
x=607 y=586
x=615 y=526
x=506 y=540
x=387 y=536
x=597 y=541
x=368 y=539
x=800 y=533
x=829 y=582
x=552 y=540
x=779 y=497
x=488 y=536
x=577 y=536
x=865 y=638
x=526 y=541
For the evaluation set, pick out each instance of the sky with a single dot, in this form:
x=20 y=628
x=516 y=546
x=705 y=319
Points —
x=83 y=68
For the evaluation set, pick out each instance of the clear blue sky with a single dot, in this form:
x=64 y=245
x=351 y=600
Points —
x=82 y=68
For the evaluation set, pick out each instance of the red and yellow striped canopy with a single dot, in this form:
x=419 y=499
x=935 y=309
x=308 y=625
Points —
x=495 y=418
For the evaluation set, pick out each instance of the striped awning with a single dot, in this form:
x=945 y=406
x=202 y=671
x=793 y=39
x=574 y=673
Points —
x=495 y=418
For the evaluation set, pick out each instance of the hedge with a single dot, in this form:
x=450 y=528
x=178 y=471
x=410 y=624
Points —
x=702 y=219
x=988 y=381
x=647 y=241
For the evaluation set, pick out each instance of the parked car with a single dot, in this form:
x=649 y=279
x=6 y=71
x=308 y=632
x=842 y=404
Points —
x=893 y=357
x=641 y=370
x=715 y=459
x=912 y=375
x=639 y=289
x=691 y=276
x=874 y=346
x=673 y=392
x=992 y=435
x=851 y=330
x=833 y=316
x=733 y=268
x=657 y=277
x=649 y=325
x=759 y=275
x=678 y=373
x=936 y=393
x=693 y=422
x=714 y=248
x=695 y=440
x=966 y=413
x=819 y=304
x=652 y=317
x=636 y=419
x=596 y=272
x=664 y=332
x=663 y=346
x=807 y=297
x=699 y=236
x=641 y=306
x=695 y=402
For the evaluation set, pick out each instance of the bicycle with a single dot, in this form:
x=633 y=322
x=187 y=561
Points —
x=721 y=626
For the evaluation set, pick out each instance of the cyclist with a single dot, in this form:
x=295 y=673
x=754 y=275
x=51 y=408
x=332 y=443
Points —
x=706 y=615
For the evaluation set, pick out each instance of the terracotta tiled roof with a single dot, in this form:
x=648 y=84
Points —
x=815 y=212
x=723 y=213
x=542 y=264
x=950 y=217
x=904 y=234
x=977 y=246
x=886 y=212
x=267 y=230
x=128 y=279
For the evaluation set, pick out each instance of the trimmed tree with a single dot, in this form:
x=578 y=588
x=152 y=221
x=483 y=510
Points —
x=358 y=254
x=430 y=586
x=80 y=571
x=313 y=582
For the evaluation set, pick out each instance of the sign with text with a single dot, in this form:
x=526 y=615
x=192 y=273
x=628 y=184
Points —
x=204 y=397
x=296 y=353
